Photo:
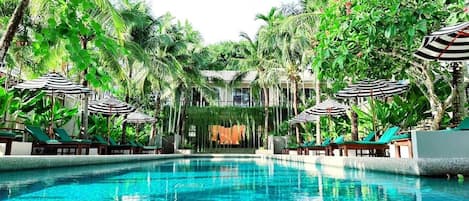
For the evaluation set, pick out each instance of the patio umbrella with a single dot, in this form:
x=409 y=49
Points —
x=370 y=88
x=302 y=118
x=53 y=83
x=108 y=107
x=140 y=118
x=329 y=108
x=449 y=44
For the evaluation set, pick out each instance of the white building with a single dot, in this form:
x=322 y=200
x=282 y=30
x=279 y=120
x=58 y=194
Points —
x=234 y=89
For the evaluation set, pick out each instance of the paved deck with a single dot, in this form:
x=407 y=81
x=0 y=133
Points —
x=419 y=167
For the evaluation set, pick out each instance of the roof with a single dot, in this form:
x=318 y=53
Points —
x=230 y=75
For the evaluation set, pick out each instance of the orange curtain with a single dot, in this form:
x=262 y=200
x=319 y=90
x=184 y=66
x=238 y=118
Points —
x=230 y=135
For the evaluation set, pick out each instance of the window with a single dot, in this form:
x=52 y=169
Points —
x=241 y=97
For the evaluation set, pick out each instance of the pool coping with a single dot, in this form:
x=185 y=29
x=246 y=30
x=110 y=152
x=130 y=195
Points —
x=405 y=166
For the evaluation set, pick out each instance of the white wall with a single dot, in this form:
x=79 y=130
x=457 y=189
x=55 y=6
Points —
x=440 y=144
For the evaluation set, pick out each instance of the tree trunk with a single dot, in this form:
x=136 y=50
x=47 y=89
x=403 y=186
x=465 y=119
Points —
x=11 y=28
x=317 y=91
x=157 y=119
x=295 y=107
x=182 y=125
x=266 y=115
x=354 y=119
x=437 y=117
x=84 y=45
x=460 y=98
x=127 y=94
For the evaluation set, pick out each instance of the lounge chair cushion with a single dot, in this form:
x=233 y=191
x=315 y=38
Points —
x=326 y=142
x=369 y=137
x=388 y=134
x=38 y=133
x=66 y=138
x=401 y=136
x=99 y=140
x=464 y=125
x=339 y=140
x=7 y=134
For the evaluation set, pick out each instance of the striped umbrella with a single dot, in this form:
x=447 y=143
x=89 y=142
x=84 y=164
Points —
x=448 y=44
x=327 y=108
x=371 y=88
x=139 y=117
x=108 y=107
x=52 y=83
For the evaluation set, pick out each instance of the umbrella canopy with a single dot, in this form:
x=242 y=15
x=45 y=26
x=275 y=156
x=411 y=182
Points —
x=138 y=117
x=448 y=44
x=372 y=88
x=53 y=83
x=327 y=108
x=110 y=106
x=302 y=118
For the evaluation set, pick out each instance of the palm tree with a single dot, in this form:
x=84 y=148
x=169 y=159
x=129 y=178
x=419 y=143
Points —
x=295 y=39
x=267 y=73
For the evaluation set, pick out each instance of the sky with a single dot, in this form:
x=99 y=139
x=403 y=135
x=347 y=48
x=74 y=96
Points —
x=217 y=20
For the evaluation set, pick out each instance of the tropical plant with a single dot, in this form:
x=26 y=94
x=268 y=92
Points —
x=356 y=40
x=43 y=112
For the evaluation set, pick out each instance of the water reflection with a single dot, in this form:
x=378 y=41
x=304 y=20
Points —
x=205 y=179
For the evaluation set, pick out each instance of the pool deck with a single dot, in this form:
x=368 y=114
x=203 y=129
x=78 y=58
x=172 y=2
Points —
x=418 y=167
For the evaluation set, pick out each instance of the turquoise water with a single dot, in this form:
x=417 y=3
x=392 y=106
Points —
x=227 y=179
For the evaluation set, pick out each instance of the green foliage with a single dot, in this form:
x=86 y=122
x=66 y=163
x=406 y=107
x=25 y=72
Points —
x=71 y=27
x=400 y=112
x=350 y=44
x=99 y=125
x=41 y=114
x=14 y=104
x=222 y=56
x=282 y=129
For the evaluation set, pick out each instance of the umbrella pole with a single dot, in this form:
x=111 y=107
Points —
x=51 y=125
x=108 y=128
x=373 y=115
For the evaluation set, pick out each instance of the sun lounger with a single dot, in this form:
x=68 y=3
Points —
x=7 y=137
x=64 y=137
x=99 y=143
x=318 y=148
x=137 y=147
x=335 y=145
x=52 y=146
x=113 y=146
x=374 y=148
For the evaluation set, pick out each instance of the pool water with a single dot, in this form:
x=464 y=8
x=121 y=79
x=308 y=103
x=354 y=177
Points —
x=222 y=179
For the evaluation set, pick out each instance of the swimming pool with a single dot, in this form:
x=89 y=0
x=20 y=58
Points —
x=222 y=179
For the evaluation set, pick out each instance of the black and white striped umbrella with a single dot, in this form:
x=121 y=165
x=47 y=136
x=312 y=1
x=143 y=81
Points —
x=53 y=83
x=110 y=106
x=327 y=108
x=139 y=117
x=372 y=88
x=448 y=44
